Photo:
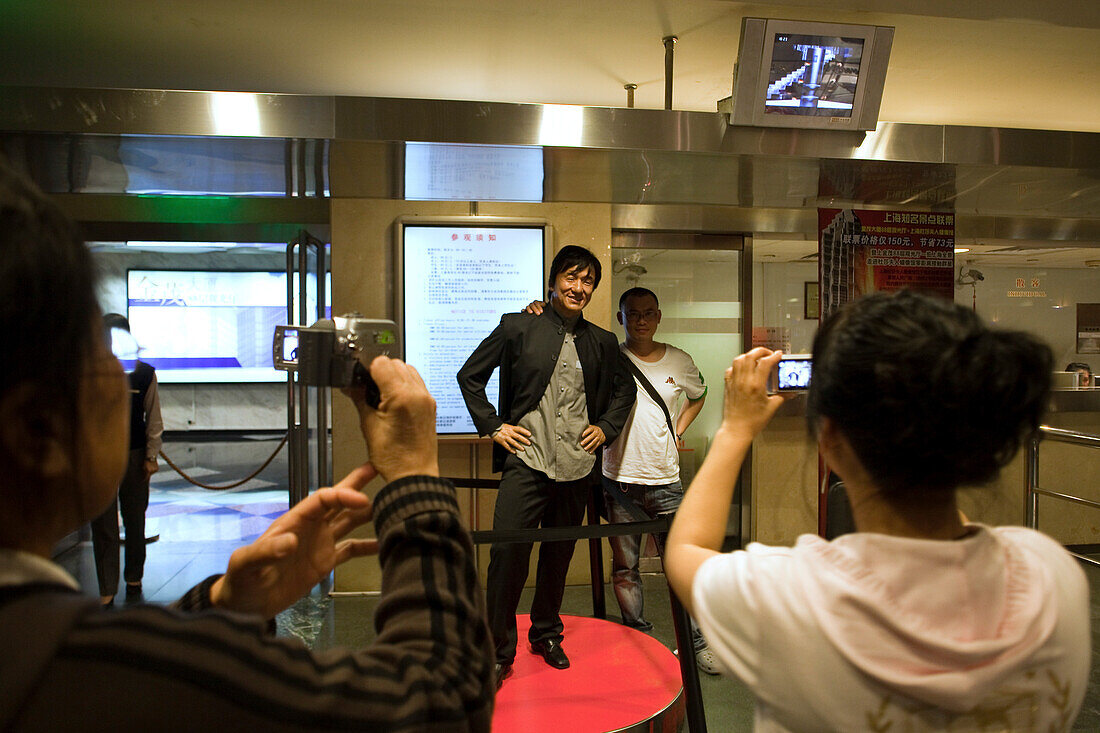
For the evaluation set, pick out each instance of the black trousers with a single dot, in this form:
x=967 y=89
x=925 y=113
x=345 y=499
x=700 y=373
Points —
x=133 y=498
x=528 y=499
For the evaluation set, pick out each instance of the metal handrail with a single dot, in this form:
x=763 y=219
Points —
x=1032 y=490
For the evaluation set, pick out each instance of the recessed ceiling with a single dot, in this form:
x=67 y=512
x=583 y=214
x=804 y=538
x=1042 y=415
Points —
x=997 y=63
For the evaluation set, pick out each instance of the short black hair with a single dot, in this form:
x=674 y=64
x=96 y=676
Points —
x=571 y=256
x=116 y=320
x=637 y=293
x=928 y=395
x=1075 y=365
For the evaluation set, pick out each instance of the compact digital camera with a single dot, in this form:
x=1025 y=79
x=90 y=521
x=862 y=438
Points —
x=791 y=374
x=335 y=352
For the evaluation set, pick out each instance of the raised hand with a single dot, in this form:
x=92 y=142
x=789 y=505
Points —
x=298 y=550
x=400 y=434
x=747 y=407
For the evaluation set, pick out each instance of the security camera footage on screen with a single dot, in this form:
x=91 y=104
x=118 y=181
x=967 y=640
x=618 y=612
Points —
x=794 y=374
x=813 y=75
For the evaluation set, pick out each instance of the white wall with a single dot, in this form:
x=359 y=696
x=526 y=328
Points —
x=1051 y=316
x=777 y=300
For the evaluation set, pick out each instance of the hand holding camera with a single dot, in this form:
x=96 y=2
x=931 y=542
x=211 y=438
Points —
x=747 y=405
x=400 y=432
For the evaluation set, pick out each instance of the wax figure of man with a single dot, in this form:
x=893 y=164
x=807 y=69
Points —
x=564 y=392
x=641 y=470
x=146 y=428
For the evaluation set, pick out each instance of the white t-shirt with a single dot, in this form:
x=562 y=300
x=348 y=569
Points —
x=645 y=452
x=874 y=632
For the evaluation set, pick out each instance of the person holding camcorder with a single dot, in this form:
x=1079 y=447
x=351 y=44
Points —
x=208 y=661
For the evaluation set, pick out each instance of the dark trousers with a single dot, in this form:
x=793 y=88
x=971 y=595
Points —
x=133 y=498
x=526 y=500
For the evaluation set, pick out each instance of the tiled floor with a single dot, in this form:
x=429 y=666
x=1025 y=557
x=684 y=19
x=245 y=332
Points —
x=200 y=528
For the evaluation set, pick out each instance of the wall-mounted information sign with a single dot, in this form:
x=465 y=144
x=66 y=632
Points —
x=458 y=276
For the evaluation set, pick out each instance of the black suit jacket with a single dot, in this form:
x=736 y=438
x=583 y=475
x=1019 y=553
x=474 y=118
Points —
x=526 y=348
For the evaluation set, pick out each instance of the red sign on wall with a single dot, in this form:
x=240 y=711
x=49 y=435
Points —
x=863 y=251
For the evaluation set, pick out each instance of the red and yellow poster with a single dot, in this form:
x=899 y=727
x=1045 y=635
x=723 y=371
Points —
x=863 y=251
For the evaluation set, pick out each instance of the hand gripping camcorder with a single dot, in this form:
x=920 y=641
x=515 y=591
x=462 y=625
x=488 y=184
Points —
x=336 y=352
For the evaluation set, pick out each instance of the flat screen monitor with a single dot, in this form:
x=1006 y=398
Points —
x=457 y=277
x=201 y=327
x=808 y=74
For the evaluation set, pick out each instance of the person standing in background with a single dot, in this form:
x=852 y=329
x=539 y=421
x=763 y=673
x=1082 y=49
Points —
x=1084 y=373
x=146 y=428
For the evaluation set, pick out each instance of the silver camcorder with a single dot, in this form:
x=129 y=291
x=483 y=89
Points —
x=335 y=352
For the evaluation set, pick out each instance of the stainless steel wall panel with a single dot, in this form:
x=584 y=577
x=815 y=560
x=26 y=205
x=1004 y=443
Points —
x=1006 y=146
x=902 y=142
x=622 y=239
x=158 y=112
x=360 y=169
x=723 y=219
x=1038 y=232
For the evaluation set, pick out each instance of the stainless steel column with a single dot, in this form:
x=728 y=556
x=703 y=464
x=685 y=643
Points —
x=298 y=393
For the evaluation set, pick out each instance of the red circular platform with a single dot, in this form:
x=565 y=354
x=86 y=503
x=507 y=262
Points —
x=618 y=679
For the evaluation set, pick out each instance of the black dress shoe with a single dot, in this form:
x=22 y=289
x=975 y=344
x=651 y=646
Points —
x=552 y=652
x=500 y=671
x=133 y=591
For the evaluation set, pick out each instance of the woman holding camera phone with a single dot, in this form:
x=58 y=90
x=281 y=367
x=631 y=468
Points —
x=919 y=620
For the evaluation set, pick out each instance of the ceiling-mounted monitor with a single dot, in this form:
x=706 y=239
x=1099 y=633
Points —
x=793 y=73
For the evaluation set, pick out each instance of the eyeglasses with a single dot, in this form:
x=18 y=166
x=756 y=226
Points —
x=636 y=315
x=125 y=348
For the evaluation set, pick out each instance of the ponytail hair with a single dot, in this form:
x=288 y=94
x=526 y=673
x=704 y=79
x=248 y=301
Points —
x=928 y=396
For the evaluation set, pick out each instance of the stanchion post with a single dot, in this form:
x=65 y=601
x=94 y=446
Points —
x=595 y=560
x=1031 y=499
x=689 y=673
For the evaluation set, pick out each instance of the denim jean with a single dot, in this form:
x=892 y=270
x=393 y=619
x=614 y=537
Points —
x=627 y=581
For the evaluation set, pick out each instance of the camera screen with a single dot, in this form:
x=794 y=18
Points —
x=290 y=346
x=794 y=374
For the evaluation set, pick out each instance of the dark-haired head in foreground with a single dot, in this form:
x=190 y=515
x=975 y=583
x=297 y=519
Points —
x=929 y=397
x=49 y=318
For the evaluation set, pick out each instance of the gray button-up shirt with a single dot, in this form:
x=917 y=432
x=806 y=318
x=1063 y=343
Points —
x=560 y=418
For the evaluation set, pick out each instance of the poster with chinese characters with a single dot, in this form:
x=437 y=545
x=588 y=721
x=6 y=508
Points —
x=457 y=282
x=863 y=251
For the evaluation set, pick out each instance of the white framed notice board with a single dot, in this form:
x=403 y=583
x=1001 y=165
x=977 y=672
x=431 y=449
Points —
x=456 y=277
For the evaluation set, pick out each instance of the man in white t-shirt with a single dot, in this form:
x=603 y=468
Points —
x=643 y=467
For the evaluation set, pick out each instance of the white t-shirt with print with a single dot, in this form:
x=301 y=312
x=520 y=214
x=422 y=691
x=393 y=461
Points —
x=645 y=452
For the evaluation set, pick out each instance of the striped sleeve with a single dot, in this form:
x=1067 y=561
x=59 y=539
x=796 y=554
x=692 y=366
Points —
x=429 y=667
